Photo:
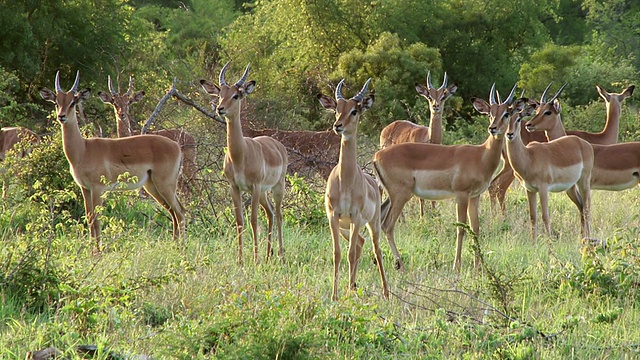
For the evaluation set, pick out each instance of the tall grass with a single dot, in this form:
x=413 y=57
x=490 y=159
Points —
x=146 y=295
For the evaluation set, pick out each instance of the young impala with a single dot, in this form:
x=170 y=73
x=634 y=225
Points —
x=563 y=164
x=352 y=198
x=438 y=172
x=401 y=131
x=152 y=162
x=254 y=165
x=608 y=135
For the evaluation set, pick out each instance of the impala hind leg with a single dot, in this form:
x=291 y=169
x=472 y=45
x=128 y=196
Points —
x=278 y=196
x=356 y=243
x=499 y=186
x=255 y=201
x=391 y=209
x=165 y=195
x=374 y=232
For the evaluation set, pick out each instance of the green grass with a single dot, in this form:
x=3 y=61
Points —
x=543 y=299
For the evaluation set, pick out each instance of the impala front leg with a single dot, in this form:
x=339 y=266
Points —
x=237 y=208
x=473 y=211
x=532 y=198
x=90 y=203
x=544 y=207
x=255 y=201
x=334 y=225
x=462 y=204
x=268 y=209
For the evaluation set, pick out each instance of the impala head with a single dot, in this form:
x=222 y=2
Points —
x=497 y=111
x=229 y=96
x=65 y=101
x=613 y=97
x=436 y=97
x=521 y=108
x=121 y=102
x=547 y=112
x=347 y=111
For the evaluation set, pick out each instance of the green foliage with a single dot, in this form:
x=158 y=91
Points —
x=12 y=111
x=305 y=203
x=610 y=269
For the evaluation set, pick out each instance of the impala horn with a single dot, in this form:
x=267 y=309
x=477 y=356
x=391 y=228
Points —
x=510 y=97
x=444 y=82
x=429 y=80
x=111 y=89
x=221 y=77
x=339 y=90
x=130 y=89
x=558 y=93
x=58 y=88
x=362 y=92
x=240 y=82
x=492 y=97
x=74 y=88
x=544 y=94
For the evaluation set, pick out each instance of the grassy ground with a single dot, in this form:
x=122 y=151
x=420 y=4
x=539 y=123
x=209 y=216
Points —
x=545 y=299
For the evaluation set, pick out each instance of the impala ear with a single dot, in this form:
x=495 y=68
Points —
x=210 y=87
x=327 y=102
x=105 y=97
x=366 y=103
x=422 y=90
x=450 y=91
x=556 y=106
x=47 y=94
x=481 y=106
x=248 y=87
x=82 y=95
x=137 y=96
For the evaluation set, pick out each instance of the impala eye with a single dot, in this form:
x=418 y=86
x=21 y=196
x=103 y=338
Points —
x=235 y=97
x=354 y=112
x=547 y=113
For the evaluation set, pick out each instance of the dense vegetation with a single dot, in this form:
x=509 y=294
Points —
x=550 y=299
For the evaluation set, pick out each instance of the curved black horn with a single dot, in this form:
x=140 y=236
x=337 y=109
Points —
x=558 y=93
x=492 y=97
x=130 y=89
x=58 y=88
x=429 y=80
x=74 y=88
x=444 y=82
x=510 y=97
x=244 y=76
x=111 y=89
x=362 y=92
x=339 y=90
x=221 y=77
x=544 y=93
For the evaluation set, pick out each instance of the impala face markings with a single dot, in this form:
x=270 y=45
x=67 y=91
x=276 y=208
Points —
x=254 y=165
x=153 y=160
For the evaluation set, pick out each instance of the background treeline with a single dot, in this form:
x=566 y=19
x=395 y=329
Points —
x=298 y=48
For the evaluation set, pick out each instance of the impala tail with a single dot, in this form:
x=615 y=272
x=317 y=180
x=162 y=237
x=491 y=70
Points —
x=384 y=207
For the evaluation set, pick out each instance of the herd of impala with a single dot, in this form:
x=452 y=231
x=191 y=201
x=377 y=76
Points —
x=412 y=161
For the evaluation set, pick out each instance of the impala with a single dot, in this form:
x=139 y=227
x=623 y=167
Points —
x=10 y=136
x=121 y=103
x=609 y=135
x=152 y=162
x=616 y=167
x=401 y=131
x=438 y=172
x=352 y=198
x=254 y=165
x=563 y=164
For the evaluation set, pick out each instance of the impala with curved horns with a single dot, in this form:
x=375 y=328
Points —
x=608 y=136
x=152 y=162
x=438 y=172
x=616 y=167
x=254 y=165
x=121 y=103
x=352 y=198
x=401 y=131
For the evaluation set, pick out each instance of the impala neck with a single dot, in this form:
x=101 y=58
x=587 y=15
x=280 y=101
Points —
x=493 y=146
x=347 y=161
x=557 y=131
x=235 y=138
x=435 y=128
x=612 y=125
x=517 y=154
x=73 y=142
x=123 y=123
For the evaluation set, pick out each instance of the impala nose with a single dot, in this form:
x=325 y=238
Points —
x=221 y=111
